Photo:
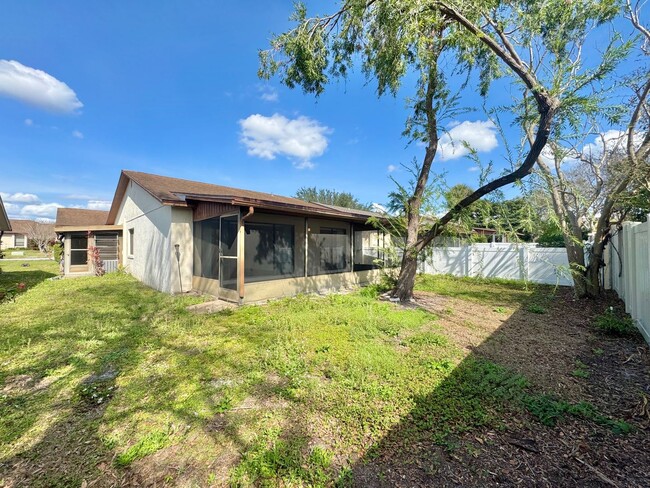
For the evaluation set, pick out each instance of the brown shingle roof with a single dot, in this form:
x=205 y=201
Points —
x=79 y=217
x=176 y=191
x=19 y=226
x=5 y=225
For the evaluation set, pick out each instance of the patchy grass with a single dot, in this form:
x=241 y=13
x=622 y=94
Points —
x=498 y=293
x=29 y=272
x=283 y=394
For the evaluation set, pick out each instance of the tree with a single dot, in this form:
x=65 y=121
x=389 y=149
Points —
x=330 y=197
x=588 y=184
x=396 y=38
x=41 y=234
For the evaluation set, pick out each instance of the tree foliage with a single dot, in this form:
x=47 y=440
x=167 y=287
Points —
x=331 y=197
x=537 y=45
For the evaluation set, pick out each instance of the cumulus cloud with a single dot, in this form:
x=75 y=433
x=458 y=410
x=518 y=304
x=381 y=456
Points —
x=391 y=168
x=99 y=205
x=36 y=87
x=77 y=134
x=44 y=210
x=610 y=140
x=19 y=197
x=479 y=135
x=299 y=139
x=29 y=122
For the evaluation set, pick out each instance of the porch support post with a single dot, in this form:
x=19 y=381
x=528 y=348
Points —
x=306 y=245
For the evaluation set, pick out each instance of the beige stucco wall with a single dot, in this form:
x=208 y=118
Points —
x=181 y=234
x=152 y=259
x=267 y=290
x=9 y=241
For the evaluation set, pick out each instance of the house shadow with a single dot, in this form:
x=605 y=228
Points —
x=539 y=399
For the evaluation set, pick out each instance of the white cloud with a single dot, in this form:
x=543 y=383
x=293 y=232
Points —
x=268 y=93
x=99 y=204
x=29 y=122
x=479 y=135
x=391 y=168
x=612 y=140
x=77 y=134
x=473 y=169
x=300 y=139
x=46 y=210
x=36 y=87
x=19 y=197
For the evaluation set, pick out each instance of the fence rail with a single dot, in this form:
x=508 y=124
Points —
x=628 y=271
x=510 y=261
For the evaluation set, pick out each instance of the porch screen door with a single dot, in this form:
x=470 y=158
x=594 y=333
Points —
x=228 y=257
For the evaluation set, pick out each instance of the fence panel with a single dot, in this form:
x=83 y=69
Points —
x=629 y=271
x=502 y=260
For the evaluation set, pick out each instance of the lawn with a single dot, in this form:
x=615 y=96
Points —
x=24 y=253
x=104 y=380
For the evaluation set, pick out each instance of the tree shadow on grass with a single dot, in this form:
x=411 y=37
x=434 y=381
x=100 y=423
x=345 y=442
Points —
x=514 y=411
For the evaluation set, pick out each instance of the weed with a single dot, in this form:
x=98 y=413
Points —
x=500 y=310
x=598 y=351
x=581 y=370
x=613 y=324
x=428 y=339
x=149 y=444
x=536 y=308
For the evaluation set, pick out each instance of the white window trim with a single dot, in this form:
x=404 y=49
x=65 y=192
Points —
x=130 y=242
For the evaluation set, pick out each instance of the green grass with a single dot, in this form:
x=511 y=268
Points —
x=291 y=386
x=27 y=253
x=615 y=323
x=498 y=293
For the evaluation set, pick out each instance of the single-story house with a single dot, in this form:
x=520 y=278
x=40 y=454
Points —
x=5 y=225
x=239 y=245
x=81 y=231
x=16 y=236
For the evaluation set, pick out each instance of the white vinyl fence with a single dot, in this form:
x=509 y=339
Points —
x=510 y=261
x=628 y=271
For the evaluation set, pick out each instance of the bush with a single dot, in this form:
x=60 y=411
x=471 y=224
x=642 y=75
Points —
x=57 y=251
x=612 y=324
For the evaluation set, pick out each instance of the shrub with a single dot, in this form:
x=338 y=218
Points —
x=57 y=251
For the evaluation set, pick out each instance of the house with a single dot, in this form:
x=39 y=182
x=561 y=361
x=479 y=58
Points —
x=17 y=236
x=5 y=225
x=81 y=231
x=239 y=245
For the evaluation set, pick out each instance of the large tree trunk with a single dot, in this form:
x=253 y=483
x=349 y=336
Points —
x=407 y=274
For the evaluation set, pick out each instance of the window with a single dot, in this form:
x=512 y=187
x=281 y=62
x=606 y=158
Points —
x=131 y=241
x=107 y=246
x=269 y=251
x=20 y=241
x=206 y=248
x=78 y=250
x=329 y=251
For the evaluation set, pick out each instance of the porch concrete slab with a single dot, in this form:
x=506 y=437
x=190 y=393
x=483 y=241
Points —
x=211 y=307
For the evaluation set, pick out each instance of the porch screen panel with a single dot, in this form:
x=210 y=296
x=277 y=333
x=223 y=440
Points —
x=20 y=241
x=78 y=250
x=368 y=249
x=206 y=248
x=329 y=251
x=269 y=251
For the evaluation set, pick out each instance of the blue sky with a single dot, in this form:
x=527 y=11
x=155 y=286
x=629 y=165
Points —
x=171 y=88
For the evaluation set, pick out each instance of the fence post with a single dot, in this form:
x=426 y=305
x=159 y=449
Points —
x=523 y=266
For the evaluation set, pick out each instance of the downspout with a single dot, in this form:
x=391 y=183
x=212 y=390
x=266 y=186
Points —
x=251 y=211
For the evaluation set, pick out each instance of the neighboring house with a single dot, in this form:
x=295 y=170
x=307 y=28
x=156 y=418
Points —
x=5 y=225
x=17 y=236
x=239 y=245
x=80 y=231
